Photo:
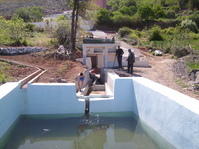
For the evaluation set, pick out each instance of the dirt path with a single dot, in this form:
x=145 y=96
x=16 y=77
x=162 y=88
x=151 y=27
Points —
x=161 y=71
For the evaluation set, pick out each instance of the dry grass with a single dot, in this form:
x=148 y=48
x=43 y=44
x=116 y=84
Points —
x=40 y=40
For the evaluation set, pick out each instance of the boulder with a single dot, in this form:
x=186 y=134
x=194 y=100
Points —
x=158 y=53
x=61 y=80
x=197 y=76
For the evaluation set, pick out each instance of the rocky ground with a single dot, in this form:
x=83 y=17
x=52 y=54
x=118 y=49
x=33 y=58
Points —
x=164 y=71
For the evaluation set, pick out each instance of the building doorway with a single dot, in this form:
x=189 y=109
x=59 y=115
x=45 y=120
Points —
x=94 y=61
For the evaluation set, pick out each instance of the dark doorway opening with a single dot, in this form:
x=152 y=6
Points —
x=94 y=61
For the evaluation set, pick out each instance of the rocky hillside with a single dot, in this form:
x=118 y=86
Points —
x=7 y=7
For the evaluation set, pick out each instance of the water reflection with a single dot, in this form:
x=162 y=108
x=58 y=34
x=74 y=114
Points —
x=80 y=133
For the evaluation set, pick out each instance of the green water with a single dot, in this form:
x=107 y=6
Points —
x=96 y=132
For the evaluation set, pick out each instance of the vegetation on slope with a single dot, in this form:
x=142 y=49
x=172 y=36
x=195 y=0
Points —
x=8 y=7
x=168 y=25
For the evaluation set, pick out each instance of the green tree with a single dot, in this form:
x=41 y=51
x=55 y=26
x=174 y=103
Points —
x=118 y=4
x=189 y=25
x=158 y=12
x=79 y=8
x=131 y=10
x=29 y=14
x=155 y=34
x=104 y=16
x=146 y=12
x=17 y=31
x=12 y=32
x=62 y=33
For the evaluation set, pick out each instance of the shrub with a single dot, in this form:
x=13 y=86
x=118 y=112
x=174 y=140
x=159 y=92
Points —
x=60 y=18
x=180 y=51
x=146 y=12
x=124 y=31
x=115 y=5
x=174 y=8
x=189 y=25
x=131 y=10
x=195 y=18
x=133 y=38
x=29 y=14
x=170 y=14
x=3 y=78
x=12 y=32
x=30 y=27
x=62 y=33
x=137 y=33
x=104 y=17
x=122 y=20
x=158 y=12
x=193 y=36
x=155 y=34
x=170 y=30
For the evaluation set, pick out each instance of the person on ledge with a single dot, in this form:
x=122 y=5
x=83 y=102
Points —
x=119 y=54
x=131 y=61
x=80 y=81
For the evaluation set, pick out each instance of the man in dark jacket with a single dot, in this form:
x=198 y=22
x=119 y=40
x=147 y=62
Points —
x=131 y=60
x=119 y=53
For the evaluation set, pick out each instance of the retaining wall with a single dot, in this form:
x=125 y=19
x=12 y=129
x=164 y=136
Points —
x=37 y=99
x=11 y=105
x=173 y=115
x=52 y=98
x=20 y=50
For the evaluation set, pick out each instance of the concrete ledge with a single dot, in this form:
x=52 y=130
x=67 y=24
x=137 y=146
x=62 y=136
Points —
x=11 y=105
x=173 y=115
x=7 y=88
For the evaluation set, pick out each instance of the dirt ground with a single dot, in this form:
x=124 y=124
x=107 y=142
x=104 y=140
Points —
x=17 y=72
x=56 y=69
x=162 y=71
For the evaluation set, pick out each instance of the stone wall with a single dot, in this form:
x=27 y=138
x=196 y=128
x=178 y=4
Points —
x=20 y=50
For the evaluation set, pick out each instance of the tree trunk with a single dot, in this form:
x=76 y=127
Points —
x=76 y=23
x=73 y=25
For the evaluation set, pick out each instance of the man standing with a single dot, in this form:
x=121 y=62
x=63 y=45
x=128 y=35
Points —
x=131 y=60
x=119 y=53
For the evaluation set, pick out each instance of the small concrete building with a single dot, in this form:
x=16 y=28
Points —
x=99 y=53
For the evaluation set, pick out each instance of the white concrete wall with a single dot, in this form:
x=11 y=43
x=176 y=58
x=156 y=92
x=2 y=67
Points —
x=110 y=78
x=37 y=99
x=53 y=98
x=11 y=105
x=173 y=115
x=105 y=58
x=122 y=100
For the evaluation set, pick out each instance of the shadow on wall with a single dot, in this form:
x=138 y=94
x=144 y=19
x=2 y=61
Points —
x=124 y=95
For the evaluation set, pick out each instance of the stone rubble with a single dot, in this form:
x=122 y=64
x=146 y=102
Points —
x=20 y=50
